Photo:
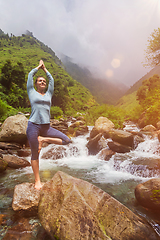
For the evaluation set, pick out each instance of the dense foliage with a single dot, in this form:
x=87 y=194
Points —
x=13 y=86
x=115 y=114
x=18 y=56
x=153 y=49
x=149 y=99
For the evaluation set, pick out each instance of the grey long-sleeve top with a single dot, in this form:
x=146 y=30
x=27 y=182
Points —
x=40 y=105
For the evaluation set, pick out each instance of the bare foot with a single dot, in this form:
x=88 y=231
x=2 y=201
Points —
x=38 y=185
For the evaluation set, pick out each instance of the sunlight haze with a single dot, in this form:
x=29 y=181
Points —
x=108 y=36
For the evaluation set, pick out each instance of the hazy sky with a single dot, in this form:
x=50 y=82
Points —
x=110 y=36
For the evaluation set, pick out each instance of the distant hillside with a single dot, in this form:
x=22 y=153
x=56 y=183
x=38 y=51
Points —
x=68 y=93
x=105 y=92
x=135 y=87
x=129 y=100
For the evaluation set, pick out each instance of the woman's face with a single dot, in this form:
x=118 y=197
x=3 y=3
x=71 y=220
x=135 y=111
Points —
x=41 y=84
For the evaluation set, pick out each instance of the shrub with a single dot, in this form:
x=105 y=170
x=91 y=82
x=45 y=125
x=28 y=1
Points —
x=56 y=112
x=3 y=108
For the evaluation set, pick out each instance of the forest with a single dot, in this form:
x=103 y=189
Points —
x=19 y=54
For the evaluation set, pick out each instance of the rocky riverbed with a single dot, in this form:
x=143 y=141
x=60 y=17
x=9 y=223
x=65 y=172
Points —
x=103 y=156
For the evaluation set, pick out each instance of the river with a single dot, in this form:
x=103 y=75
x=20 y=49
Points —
x=118 y=176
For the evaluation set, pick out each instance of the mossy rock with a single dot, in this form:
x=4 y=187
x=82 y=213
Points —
x=3 y=165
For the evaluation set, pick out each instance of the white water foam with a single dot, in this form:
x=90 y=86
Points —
x=100 y=170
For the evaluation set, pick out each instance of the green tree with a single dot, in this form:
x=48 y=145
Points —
x=6 y=76
x=148 y=91
x=60 y=96
x=13 y=84
x=149 y=99
x=153 y=49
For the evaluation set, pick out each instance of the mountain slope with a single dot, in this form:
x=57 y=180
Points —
x=135 y=87
x=104 y=91
x=129 y=100
x=68 y=93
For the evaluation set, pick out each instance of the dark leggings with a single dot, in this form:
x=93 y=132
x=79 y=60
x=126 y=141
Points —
x=44 y=130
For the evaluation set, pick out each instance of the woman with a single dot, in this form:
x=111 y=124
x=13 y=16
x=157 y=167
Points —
x=39 y=130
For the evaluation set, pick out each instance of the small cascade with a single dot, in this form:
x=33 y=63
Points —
x=118 y=176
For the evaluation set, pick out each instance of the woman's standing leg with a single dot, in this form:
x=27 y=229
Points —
x=32 y=135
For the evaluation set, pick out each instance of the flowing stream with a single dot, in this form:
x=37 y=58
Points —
x=118 y=176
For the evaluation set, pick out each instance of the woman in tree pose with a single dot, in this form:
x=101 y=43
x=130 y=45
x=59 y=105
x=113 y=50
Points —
x=39 y=129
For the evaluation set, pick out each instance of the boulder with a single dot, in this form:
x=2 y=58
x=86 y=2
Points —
x=77 y=124
x=81 y=130
x=70 y=208
x=102 y=125
x=9 y=146
x=137 y=139
x=25 y=199
x=24 y=152
x=122 y=137
x=14 y=129
x=148 y=194
x=105 y=154
x=117 y=147
x=59 y=125
x=78 y=128
x=57 y=152
x=93 y=146
x=149 y=128
x=15 y=162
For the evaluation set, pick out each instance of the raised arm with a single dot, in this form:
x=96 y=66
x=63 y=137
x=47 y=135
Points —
x=30 y=84
x=49 y=76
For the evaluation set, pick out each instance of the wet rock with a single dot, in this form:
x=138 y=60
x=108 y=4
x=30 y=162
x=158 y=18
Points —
x=23 y=230
x=58 y=152
x=137 y=140
x=24 y=152
x=70 y=208
x=78 y=128
x=55 y=153
x=9 y=146
x=59 y=125
x=149 y=162
x=94 y=132
x=122 y=137
x=81 y=131
x=25 y=199
x=119 y=148
x=148 y=194
x=93 y=146
x=105 y=154
x=15 y=162
x=14 y=129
